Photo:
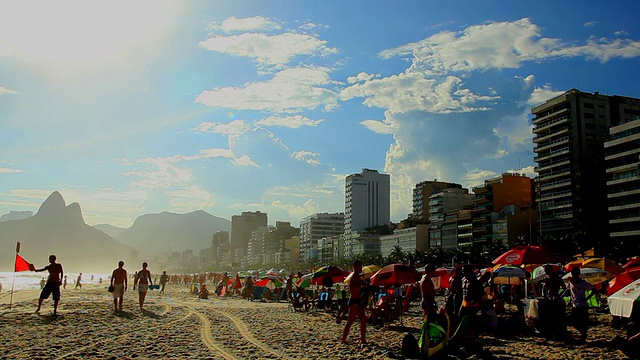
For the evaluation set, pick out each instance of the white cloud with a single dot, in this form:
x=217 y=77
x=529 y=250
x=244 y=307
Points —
x=234 y=24
x=189 y=198
x=9 y=171
x=542 y=94
x=590 y=23
x=269 y=50
x=233 y=129
x=290 y=90
x=295 y=211
x=377 y=126
x=361 y=77
x=477 y=177
x=621 y=33
x=294 y=121
x=5 y=91
x=306 y=156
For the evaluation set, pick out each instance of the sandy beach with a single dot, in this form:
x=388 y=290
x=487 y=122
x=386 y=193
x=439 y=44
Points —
x=178 y=326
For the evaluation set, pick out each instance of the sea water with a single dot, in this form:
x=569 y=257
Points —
x=29 y=280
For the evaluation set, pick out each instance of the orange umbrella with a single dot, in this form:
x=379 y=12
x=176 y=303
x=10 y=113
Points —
x=604 y=264
x=574 y=263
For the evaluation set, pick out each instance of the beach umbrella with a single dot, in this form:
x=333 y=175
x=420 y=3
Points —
x=623 y=279
x=632 y=262
x=538 y=273
x=592 y=275
x=270 y=283
x=585 y=255
x=574 y=263
x=395 y=274
x=528 y=254
x=508 y=275
x=604 y=264
x=334 y=272
x=304 y=281
x=367 y=272
x=622 y=302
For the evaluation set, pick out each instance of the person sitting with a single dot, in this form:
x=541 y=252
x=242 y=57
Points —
x=203 y=293
x=323 y=299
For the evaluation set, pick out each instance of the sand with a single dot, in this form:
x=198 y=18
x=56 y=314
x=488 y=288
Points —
x=180 y=326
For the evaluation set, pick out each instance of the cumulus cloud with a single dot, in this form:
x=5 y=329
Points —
x=377 y=126
x=361 y=77
x=290 y=90
x=293 y=121
x=269 y=50
x=234 y=24
x=621 y=33
x=306 y=156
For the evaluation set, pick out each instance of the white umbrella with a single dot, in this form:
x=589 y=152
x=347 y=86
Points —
x=592 y=275
x=621 y=302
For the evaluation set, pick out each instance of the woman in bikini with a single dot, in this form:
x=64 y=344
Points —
x=142 y=281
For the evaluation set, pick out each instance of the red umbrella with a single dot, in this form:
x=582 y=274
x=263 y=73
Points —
x=395 y=274
x=623 y=279
x=633 y=262
x=528 y=254
x=334 y=272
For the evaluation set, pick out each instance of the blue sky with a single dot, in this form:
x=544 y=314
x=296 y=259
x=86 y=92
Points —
x=140 y=107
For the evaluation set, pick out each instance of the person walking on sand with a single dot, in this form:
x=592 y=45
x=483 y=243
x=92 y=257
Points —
x=580 y=308
x=52 y=286
x=142 y=282
x=64 y=282
x=163 y=281
x=119 y=283
x=356 y=309
x=79 y=282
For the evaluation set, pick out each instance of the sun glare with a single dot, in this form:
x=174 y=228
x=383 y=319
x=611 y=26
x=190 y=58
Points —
x=75 y=32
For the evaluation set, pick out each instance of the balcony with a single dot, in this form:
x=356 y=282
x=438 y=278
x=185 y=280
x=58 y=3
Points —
x=541 y=120
x=548 y=135
x=548 y=124
x=547 y=145
x=482 y=229
x=555 y=195
x=482 y=219
x=482 y=208
x=554 y=174
x=555 y=184
x=551 y=154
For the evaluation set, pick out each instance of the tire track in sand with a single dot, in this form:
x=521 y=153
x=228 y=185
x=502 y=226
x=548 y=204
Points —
x=205 y=334
x=243 y=329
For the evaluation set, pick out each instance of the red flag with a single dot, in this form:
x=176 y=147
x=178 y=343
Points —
x=22 y=264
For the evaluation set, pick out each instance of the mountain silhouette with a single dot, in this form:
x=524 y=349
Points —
x=154 y=233
x=16 y=215
x=60 y=229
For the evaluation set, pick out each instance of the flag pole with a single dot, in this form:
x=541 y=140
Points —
x=13 y=279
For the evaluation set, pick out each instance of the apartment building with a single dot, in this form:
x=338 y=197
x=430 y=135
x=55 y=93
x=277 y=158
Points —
x=316 y=227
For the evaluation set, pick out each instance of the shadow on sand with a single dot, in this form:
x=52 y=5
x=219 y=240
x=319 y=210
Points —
x=150 y=314
x=123 y=314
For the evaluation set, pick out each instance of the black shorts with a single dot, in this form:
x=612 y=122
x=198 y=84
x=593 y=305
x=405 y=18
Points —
x=354 y=301
x=51 y=288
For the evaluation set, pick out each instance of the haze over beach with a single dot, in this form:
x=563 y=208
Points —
x=144 y=107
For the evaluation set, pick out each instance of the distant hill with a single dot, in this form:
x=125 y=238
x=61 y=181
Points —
x=16 y=215
x=110 y=230
x=60 y=229
x=155 y=233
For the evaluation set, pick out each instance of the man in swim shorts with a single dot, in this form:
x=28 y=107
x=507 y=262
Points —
x=119 y=283
x=356 y=309
x=52 y=286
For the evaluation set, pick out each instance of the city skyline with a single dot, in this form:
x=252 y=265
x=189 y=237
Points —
x=137 y=108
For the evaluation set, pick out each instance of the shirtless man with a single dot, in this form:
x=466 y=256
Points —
x=52 y=285
x=356 y=309
x=428 y=291
x=142 y=281
x=119 y=283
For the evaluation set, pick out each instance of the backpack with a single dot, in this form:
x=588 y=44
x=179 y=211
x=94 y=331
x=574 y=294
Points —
x=410 y=348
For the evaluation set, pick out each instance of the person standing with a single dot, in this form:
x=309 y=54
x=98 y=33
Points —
x=356 y=308
x=79 y=282
x=163 y=281
x=428 y=291
x=119 y=283
x=64 y=282
x=142 y=282
x=580 y=308
x=52 y=286
x=552 y=284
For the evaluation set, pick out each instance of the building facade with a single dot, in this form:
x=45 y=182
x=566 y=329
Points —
x=622 y=158
x=421 y=197
x=367 y=201
x=569 y=135
x=241 y=228
x=316 y=227
x=410 y=239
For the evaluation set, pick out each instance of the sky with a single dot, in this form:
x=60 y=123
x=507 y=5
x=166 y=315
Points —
x=137 y=107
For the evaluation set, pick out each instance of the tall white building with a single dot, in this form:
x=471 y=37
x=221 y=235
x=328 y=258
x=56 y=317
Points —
x=367 y=201
x=316 y=227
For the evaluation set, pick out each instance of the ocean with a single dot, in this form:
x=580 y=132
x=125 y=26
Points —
x=26 y=280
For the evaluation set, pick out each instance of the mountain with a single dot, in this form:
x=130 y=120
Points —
x=110 y=230
x=16 y=215
x=60 y=229
x=154 y=233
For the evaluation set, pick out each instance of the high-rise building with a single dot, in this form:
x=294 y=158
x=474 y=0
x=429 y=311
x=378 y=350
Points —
x=421 y=193
x=316 y=227
x=241 y=228
x=570 y=131
x=490 y=205
x=409 y=240
x=367 y=201
x=622 y=158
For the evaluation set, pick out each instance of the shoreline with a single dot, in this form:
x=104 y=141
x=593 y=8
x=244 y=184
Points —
x=178 y=325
